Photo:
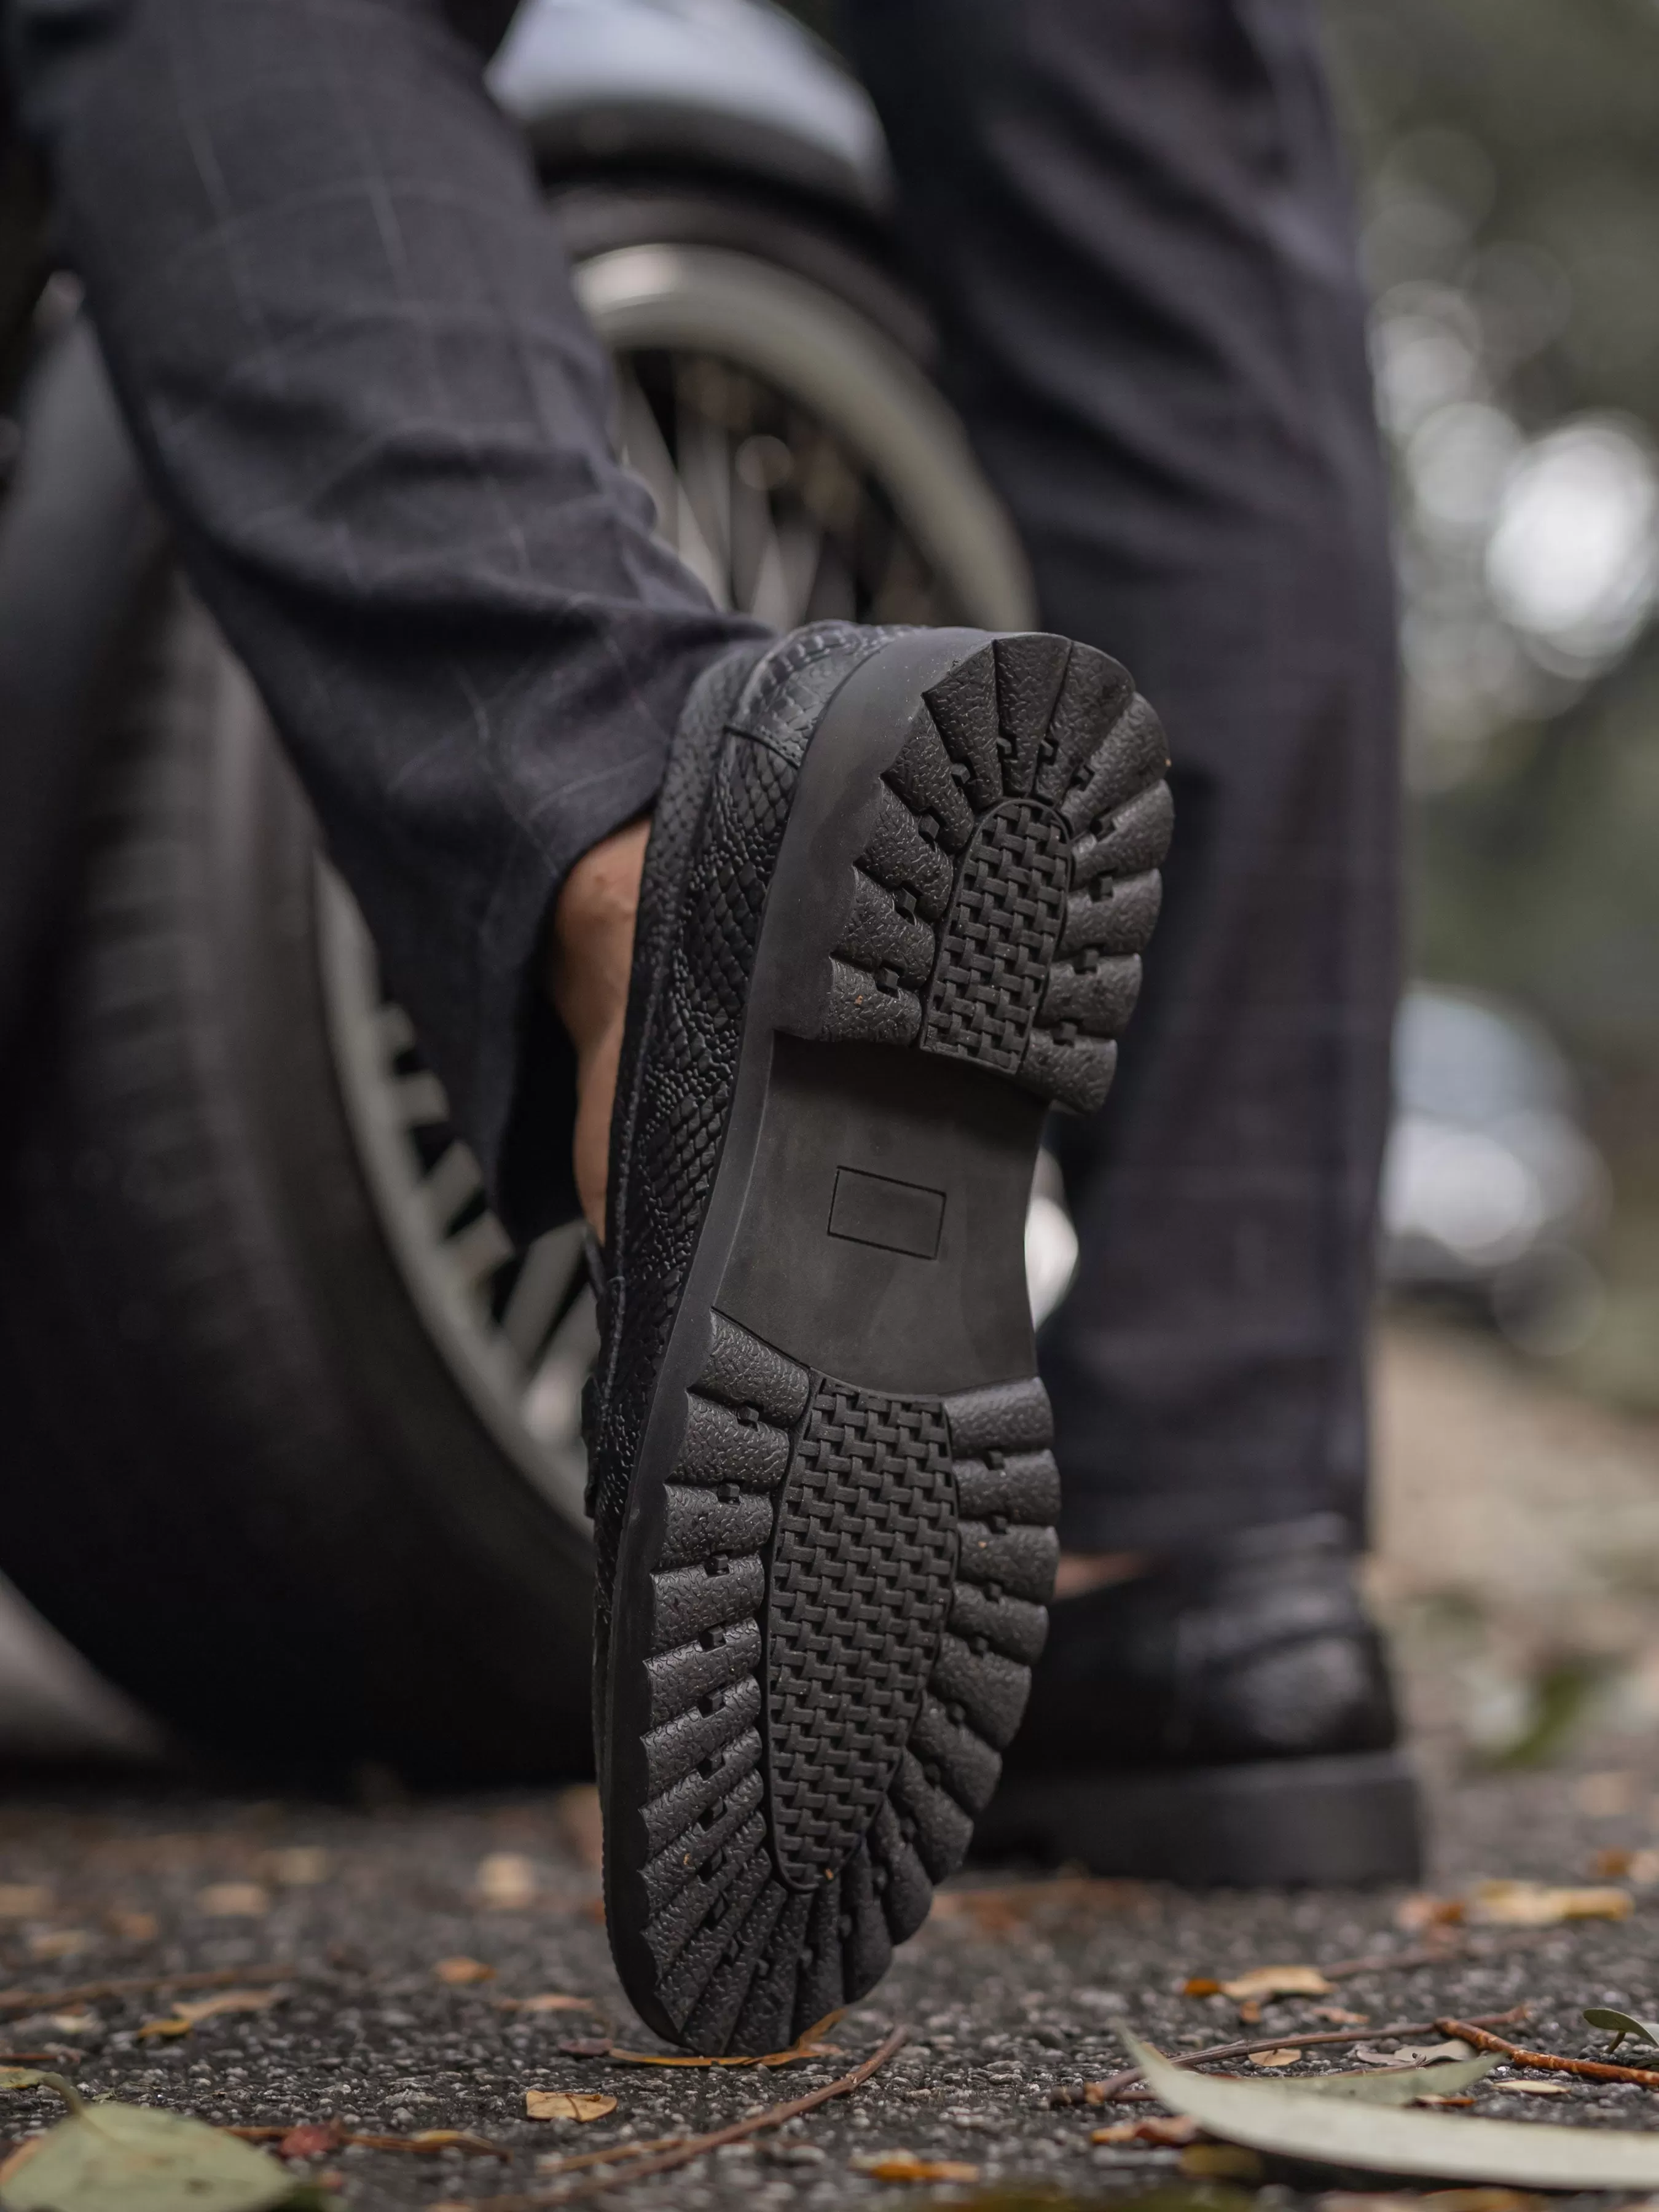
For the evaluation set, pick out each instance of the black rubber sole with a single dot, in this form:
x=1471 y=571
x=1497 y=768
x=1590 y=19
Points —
x=838 y=1539
x=1351 y=1821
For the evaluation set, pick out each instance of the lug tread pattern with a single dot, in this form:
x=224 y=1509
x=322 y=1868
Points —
x=822 y=1741
x=1035 y=773
x=846 y=1590
x=861 y=1571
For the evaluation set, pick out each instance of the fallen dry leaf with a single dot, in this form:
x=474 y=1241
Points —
x=1286 y=2057
x=1437 y=2084
x=1407 y=2056
x=507 y=1881
x=1339 y=2016
x=908 y=2166
x=311 y=2139
x=567 y=2104
x=1418 y=1913
x=60 y=1944
x=550 y=2002
x=1221 y=2161
x=1342 y=2131
x=1618 y=2025
x=1534 y=2088
x=1250 y=2013
x=429 y=2141
x=460 y=1973
x=1277 y=1982
x=1356 y=2200
x=73 y=2023
x=185 y=2014
x=133 y=1927
x=316 y=2138
x=1442 y=2200
x=295 y=1866
x=1606 y=1796
x=1537 y=1904
x=1173 y=2134
x=25 y=1900
x=233 y=1900
x=108 y=2157
x=1482 y=2200
x=1200 y=1985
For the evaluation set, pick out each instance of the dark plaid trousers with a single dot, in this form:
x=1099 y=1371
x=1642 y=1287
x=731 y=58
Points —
x=340 y=328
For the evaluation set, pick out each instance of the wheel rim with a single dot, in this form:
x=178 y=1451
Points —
x=802 y=469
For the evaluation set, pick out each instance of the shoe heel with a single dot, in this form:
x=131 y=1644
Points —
x=1350 y=1821
x=999 y=908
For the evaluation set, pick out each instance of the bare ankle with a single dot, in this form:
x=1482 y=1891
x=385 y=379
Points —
x=1079 y=1572
x=589 y=959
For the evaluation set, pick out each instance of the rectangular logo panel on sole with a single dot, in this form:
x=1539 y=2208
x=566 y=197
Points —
x=898 y=1217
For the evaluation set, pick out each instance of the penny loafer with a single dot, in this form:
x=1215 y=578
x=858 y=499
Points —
x=895 y=893
x=1225 y=1720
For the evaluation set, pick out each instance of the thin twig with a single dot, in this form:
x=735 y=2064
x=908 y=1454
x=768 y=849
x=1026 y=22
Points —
x=1389 y=1962
x=221 y=1977
x=1593 y=2069
x=1116 y=2083
x=1439 y=1954
x=806 y=2044
x=339 y=2138
x=683 y=2153
x=579 y=2160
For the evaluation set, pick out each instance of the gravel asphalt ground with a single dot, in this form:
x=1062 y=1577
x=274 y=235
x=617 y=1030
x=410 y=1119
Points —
x=1502 y=1549
x=1012 y=1993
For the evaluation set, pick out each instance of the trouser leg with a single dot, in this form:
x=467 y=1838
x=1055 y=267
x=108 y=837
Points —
x=1134 y=220
x=342 y=330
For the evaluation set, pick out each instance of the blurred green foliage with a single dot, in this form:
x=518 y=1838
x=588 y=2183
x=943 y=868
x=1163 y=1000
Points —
x=1508 y=161
x=1509 y=153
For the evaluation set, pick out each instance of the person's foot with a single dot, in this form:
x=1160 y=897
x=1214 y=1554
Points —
x=896 y=887
x=590 y=960
x=1225 y=1718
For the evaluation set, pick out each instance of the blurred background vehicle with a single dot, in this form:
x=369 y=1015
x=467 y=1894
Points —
x=1509 y=160
x=1491 y=1192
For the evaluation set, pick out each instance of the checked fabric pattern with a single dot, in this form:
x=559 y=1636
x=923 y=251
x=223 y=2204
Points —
x=999 y=943
x=863 y=1561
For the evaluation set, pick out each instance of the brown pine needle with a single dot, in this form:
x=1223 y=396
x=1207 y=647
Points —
x=427 y=2145
x=806 y=2044
x=1592 y=2069
x=579 y=2160
x=690 y=2146
x=221 y=1977
x=1115 y=2084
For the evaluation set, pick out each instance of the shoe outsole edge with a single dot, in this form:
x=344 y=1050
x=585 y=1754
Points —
x=830 y=1594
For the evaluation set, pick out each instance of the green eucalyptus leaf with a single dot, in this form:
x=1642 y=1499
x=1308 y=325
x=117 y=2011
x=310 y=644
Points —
x=125 y=2158
x=1621 y=2024
x=1282 y=2117
x=21 y=2077
x=1398 y=2085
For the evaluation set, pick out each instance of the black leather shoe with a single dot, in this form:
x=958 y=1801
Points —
x=893 y=900
x=1226 y=1720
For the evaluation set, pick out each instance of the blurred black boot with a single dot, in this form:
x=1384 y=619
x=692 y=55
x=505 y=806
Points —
x=1225 y=1719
